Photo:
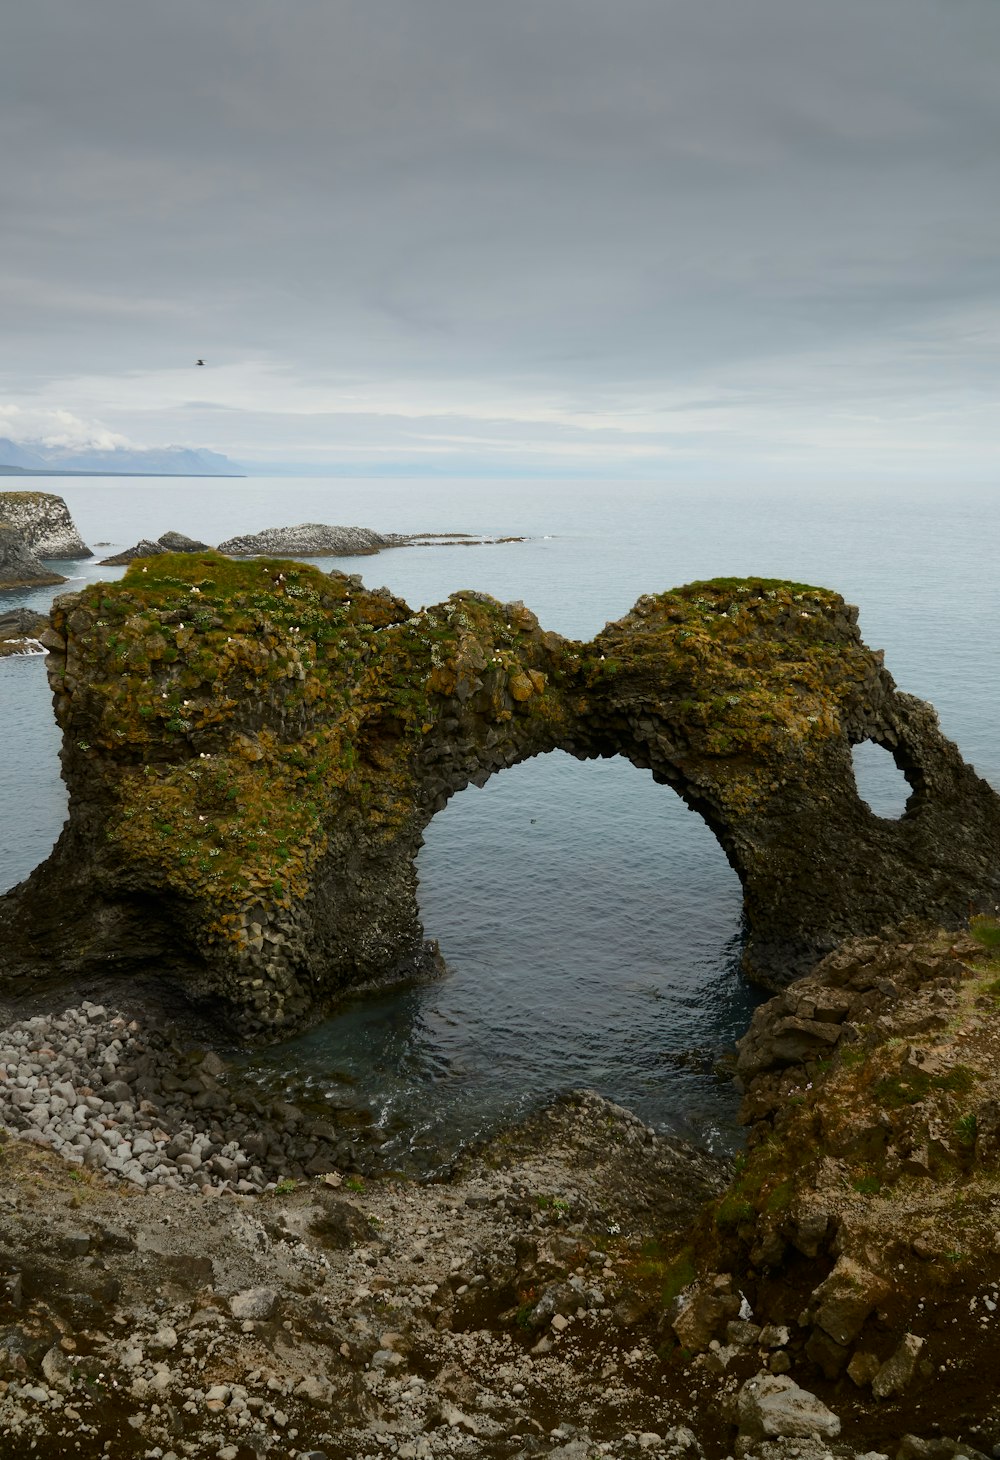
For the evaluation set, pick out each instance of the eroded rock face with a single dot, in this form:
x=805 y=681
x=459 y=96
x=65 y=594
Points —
x=253 y=750
x=44 y=522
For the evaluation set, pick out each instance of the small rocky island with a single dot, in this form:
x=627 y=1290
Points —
x=33 y=526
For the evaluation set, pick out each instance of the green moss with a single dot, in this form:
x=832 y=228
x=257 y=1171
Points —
x=779 y=1198
x=911 y=1086
x=678 y=1274
x=986 y=932
x=733 y=1211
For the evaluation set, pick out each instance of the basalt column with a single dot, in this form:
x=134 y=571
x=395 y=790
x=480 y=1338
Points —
x=252 y=751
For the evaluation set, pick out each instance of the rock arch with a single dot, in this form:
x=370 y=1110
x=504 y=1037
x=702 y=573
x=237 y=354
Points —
x=253 y=750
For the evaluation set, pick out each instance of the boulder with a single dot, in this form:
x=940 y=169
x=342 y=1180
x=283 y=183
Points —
x=556 y=1301
x=772 y=1405
x=255 y=1303
x=176 y=542
x=703 y=1315
x=144 y=548
x=863 y=1367
x=916 y=1447
x=896 y=1374
x=830 y=1357
x=169 y=542
x=316 y=1391
x=843 y=1301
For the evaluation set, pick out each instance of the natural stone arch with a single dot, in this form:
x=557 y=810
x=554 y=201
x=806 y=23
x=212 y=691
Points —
x=253 y=751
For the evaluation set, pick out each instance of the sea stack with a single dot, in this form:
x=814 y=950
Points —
x=44 y=522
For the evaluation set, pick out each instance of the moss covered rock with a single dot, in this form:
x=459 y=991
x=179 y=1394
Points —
x=253 y=750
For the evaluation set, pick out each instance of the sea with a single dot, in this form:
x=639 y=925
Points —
x=590 y=923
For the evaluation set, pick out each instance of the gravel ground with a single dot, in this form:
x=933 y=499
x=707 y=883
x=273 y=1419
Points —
x=265 y=1299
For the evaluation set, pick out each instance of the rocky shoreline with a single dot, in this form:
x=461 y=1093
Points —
x=348 y=1317
x=189 y=1267
x=140 y=1107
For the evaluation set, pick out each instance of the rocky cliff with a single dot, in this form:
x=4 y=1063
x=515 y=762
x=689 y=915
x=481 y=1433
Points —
x=253 y=750
x=861 y=1223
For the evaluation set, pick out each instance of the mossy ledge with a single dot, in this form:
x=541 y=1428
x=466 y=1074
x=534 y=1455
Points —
x=252 y=751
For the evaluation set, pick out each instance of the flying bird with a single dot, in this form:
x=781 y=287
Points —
x=199 y=362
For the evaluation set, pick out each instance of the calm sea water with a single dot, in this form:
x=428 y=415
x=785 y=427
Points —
x=590 y=922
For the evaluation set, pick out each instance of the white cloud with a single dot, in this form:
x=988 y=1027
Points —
x=55 y=426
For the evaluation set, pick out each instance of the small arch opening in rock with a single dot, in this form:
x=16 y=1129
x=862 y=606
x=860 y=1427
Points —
x=879 y=781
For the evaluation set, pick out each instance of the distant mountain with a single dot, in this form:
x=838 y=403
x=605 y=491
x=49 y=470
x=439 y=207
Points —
x=13 y=455
x=165 y=460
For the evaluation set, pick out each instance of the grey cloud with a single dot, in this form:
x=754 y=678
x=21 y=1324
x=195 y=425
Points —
x=573 y=196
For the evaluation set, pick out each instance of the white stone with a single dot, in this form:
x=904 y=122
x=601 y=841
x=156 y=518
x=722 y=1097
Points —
x=258 y=1303
x=315 y=1391
x=773 y=1406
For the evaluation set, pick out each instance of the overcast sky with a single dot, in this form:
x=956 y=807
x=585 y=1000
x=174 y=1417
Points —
x=669 y=236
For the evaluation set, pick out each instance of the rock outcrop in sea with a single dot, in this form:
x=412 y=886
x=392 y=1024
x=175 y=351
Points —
x=253 y=750
x=43 y=521
x=308 y=540
x=312 y=540
x=19 y=631
x=169 y=542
